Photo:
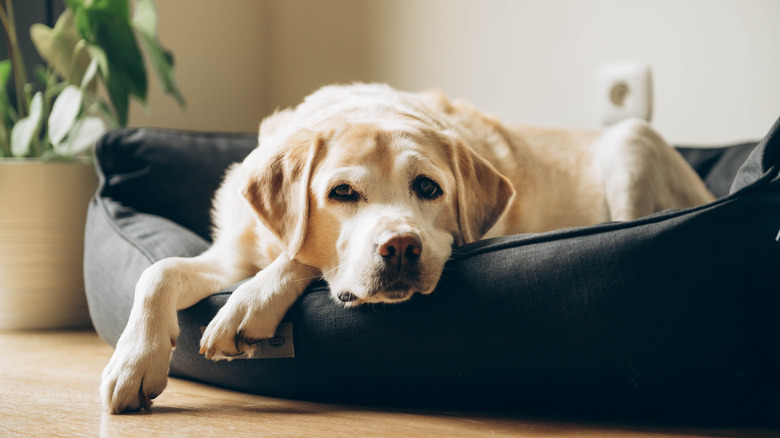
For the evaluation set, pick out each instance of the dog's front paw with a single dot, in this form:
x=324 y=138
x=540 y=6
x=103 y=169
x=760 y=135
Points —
x=136 y=373
x=235 y=330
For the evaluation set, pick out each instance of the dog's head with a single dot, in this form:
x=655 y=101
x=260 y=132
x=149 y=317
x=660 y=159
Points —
x=376 y=208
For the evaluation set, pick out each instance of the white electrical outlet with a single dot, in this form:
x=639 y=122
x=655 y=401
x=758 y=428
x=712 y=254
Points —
x=624 y=90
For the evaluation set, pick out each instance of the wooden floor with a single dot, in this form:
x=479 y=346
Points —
x=49 y=387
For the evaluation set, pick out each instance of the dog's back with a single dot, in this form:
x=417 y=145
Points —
x=576 y=177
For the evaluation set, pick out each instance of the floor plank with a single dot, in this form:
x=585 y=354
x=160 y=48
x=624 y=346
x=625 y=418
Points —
x=49 y=387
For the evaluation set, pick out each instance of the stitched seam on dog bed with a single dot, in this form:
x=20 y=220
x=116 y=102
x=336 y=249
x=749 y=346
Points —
x=121 y=232
x=101 y=202
x=592 y=230
x=170 y=132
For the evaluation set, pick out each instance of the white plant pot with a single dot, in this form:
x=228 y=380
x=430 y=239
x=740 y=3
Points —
x=43 y=208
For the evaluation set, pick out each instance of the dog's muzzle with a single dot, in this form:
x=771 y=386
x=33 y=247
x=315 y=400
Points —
x=397 y=261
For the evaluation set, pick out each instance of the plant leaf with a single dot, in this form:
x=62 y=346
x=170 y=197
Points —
x=26 y=129
x=82 y=137
x=105 y=25
x=7 y=113
x=64 y=112
x=5 y=108
x=57 y=47
x=21 y=137
x=145 y=23
x=118 y=95
x=5 y=73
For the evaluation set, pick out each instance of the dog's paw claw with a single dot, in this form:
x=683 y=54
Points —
x=144 y=398
x=226 y=348
x=234 y=332
x=136 y=374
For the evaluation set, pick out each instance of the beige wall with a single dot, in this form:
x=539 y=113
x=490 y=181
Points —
x=219 y=54
x=716 y=64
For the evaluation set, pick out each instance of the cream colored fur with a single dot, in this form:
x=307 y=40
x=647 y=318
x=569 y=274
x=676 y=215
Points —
x=370 y=188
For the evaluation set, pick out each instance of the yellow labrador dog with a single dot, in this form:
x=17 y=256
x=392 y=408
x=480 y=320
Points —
x=370 y=188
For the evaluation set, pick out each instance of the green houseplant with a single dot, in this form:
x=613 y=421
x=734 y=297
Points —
x=94 y=64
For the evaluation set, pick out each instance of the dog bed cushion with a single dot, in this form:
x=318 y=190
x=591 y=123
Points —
x=669 y=316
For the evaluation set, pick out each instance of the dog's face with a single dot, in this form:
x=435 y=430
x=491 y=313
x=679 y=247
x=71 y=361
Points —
x=382 y=214
x=376 y=210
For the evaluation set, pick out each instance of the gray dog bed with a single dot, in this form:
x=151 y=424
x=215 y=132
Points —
x=670 y=316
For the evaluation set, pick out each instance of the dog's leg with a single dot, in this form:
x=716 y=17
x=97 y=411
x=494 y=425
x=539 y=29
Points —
x=643 y=174
x=138 y=369
x=255 y=309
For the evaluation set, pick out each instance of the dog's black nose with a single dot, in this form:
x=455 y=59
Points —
x=401 y=249
x=346 y=297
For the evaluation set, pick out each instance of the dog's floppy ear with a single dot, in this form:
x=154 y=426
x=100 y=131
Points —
x=483 y=193
x=277 y=189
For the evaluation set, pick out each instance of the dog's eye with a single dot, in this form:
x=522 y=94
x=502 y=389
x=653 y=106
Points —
x=343 y=193
x=426 y=188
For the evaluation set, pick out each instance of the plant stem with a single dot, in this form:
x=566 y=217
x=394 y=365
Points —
x=20 y=74
x=50 y=91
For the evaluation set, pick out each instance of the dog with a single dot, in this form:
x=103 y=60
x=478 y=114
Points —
x=371 y=188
